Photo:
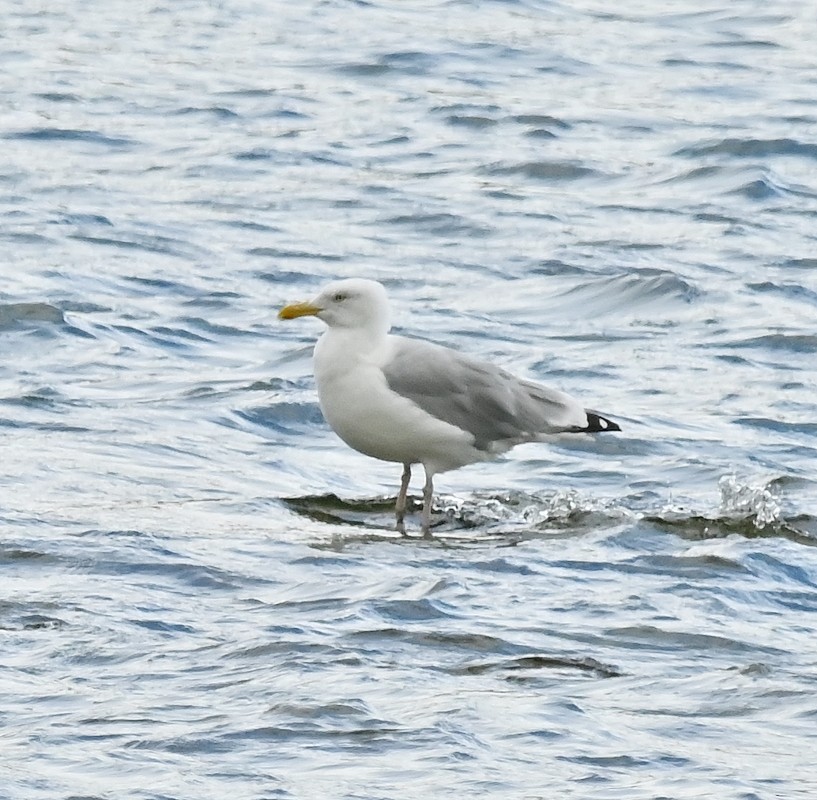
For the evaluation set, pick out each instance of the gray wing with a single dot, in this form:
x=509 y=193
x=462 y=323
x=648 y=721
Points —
x=478 y=397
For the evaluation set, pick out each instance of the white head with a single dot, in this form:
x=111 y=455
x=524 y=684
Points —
x=353 y=304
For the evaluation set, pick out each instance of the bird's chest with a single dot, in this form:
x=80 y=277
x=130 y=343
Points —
x=355 y=400
x=358 y=404
x=359 y=408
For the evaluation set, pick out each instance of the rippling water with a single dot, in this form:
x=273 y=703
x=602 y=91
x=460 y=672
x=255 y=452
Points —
x=202 y=594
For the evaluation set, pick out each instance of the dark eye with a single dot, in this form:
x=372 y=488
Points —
x=339 y=296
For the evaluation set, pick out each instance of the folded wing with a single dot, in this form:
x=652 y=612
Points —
x=498 y=409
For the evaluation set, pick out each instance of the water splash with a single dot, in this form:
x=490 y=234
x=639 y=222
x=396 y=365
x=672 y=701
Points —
x=757 y=501
x=533 y=512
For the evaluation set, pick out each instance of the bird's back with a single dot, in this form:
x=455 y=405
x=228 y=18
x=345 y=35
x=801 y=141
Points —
x=496 y=408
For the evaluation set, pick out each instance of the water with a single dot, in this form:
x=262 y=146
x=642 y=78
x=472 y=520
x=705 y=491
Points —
x=202 y=594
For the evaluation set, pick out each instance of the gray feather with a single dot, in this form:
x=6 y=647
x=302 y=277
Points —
x=478 y=397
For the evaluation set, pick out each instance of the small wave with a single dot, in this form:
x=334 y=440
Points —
x=364 y=69
x=284 y=417
x=70 y=135
x=277 y=253
x=554 y=266
x=80 y=218
x=527 y=664
x=329 y=508
x=11 y=553
x=487 y=116
x=212 y=329
x=750 y=509
x=220 y=112
x=150 y=244
x=540 y=133
x=150 y=285
x=541 y=121
x=58 y=97
x=27 y=237
x=406 y=62
x=801 y=263
x=801 y=529
x=547 y=171
x=778 y=425
x=44 y=397
x=220 y=300
x=758 y=189
x=767 y=185
x=401 y=611
x=177 y=336
x=696 y=174
x=786 y=342
x=741 y=42
x=442 y=224
x=473 y=121
x=14 y=315
x=48 y=427
x=793 y=291
x=22 y=619
x=754 y=182
x=750 y=148
x=479 y=117
x=653 y=637
x=630 y=291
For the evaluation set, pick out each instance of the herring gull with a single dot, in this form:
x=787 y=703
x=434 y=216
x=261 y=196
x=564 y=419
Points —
x=414 y=402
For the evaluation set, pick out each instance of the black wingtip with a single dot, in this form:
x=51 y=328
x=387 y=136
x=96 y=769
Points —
x=599 y=424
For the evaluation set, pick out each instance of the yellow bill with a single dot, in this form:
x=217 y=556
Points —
x=298 y=310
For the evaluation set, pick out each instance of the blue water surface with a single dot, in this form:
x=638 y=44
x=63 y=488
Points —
x=202 y=593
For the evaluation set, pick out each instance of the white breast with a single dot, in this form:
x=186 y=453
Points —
x=359 y=406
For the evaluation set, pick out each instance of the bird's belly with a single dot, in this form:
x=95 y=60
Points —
x=373 y=420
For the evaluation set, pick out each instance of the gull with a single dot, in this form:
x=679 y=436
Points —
x=415 y=402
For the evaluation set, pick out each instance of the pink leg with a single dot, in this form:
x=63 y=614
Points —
x=400 y=507
x=428 y=496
